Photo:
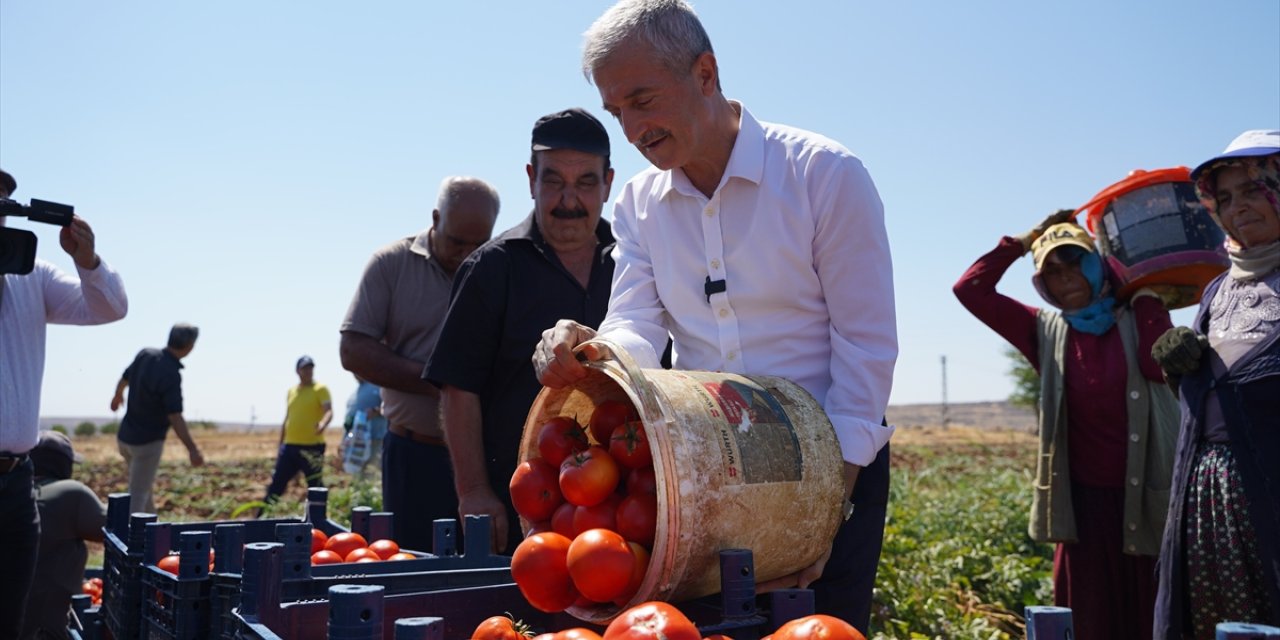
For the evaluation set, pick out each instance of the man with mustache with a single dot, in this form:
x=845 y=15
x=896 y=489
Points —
x=555 y=264
x=760 y=249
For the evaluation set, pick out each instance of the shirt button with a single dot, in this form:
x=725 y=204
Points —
x=1133 y=526
x=1132 y=548
x=1133 y=481
x=1134 y=395
x=1133 y=437
x=709 y=211
x=724 y=313
x=733 y=355
x=715 y=264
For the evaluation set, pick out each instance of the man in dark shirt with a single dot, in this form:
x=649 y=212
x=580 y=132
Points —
x=155 y=404
x=70 y=514
x=556 y=263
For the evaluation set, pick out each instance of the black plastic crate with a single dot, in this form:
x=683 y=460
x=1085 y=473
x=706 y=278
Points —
x=299 y=580
x=85 y=622
x=264 y=616
x=177 y=607
x=123 y=550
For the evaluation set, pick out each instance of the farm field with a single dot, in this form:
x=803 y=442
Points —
x=956 y=562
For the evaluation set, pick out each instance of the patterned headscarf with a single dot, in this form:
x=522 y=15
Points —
x=1264 y=170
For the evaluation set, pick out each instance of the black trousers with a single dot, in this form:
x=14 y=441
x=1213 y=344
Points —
x=844 y=590
x=20 y=539
x=417 y=486
x=292 y=459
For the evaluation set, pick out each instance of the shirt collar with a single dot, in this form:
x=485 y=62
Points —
x=746 y=161
x=528 y=230
x=422 y=244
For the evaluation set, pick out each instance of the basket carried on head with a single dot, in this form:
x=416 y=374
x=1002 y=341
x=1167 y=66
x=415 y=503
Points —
x=1152 y=230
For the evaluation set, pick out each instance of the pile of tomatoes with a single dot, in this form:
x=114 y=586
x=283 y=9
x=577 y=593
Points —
x=591 y=495
x=659 y=620
x=352 y=547
x=93 y=588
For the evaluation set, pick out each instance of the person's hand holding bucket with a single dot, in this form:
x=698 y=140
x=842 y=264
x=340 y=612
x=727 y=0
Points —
x=554 y=359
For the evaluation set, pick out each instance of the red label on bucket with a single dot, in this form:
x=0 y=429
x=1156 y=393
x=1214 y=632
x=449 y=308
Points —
x=758 y=443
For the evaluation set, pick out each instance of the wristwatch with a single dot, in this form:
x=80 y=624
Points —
x=848 y=509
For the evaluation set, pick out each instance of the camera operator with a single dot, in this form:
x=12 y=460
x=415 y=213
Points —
x=28 y=303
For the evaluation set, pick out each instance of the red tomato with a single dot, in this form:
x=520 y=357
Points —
x=345 y=542
x=576 y=633
x=638 y=570
x=562 y=520
x=718 y=636
x=560 y=437
x=384 y=548
x=535 y=489
x=600 y=516
x=169 y=563
x=651 y=621
x=545 y=636
x=601 y=564
x=362 y=553
x=500 y=628
x=318 y=538
x=642 y=480
x=630 y=446
x=637 y=517
x=817 y=627
x=589 y=477
x=325 y=556
x=403 y=556
x=540 y=568
x=609 y=415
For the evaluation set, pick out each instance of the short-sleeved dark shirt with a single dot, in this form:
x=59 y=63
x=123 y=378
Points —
x=504 y=296
x=155 y=391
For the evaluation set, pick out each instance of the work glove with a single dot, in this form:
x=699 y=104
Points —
x=1178 y=351
x=1061 y=215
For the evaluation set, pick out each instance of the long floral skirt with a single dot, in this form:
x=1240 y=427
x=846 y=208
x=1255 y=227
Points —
x=1224 y=570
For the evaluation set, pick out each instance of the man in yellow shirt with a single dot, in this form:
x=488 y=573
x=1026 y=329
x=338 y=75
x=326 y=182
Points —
x=306 y=417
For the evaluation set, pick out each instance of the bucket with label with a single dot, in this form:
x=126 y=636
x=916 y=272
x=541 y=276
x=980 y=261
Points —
x=1152 y=230
x=741 y=462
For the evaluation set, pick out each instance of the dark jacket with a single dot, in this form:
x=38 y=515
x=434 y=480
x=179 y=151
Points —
x=1249 y=394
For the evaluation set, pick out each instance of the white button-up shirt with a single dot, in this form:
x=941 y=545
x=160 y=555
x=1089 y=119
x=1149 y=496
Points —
x=28 y=304
x=796 y=231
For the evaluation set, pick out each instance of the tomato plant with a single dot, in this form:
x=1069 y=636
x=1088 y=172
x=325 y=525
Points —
x=344 y=543
x=600 y=516
x=540 y=568
x=535 y=489
x=818 y=627
x=318 y=538
x=384 y=548
x=587 y=478
x=637 y=518
x=501 y=628
x=608 y=416
x=560 y=437
x=652 y=621
x=630 y=446
x=601 y=564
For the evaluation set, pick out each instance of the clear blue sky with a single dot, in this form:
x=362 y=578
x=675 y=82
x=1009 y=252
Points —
x=240 y=161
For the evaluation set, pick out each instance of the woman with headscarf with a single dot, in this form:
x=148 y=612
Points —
x=1107 y=422
x=1220 y=559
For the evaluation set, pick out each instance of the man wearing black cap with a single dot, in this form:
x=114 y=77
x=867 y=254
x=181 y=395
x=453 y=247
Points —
x=308 y=412
x=70 y=514
x=554 y=264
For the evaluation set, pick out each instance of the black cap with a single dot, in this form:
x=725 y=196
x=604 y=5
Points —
x=305 y=361
x=571 y=129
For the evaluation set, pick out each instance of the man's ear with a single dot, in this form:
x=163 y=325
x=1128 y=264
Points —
x=707 y=73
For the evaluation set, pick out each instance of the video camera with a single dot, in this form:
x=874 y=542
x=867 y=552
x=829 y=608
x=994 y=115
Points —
x=18 y=247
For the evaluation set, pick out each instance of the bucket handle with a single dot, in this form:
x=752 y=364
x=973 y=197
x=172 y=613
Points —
x=620 y=363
